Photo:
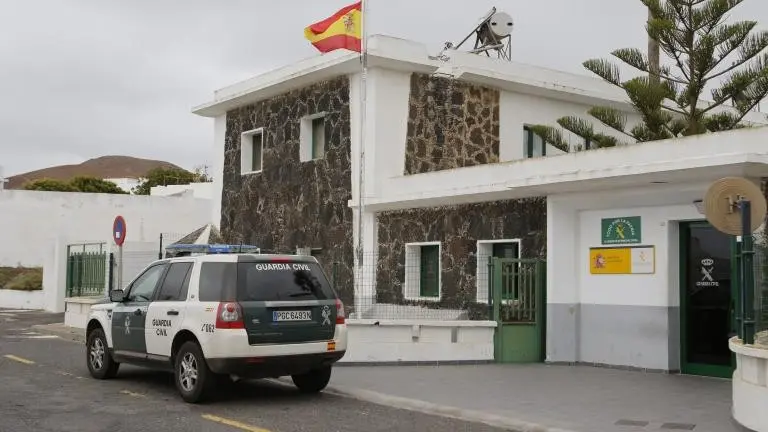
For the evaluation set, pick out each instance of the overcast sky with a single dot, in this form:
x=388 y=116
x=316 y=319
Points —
x=87 y=78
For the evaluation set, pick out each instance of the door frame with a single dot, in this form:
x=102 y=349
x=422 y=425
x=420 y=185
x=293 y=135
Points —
x=701 y=369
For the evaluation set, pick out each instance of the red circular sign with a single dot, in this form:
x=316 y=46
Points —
x=118 y=230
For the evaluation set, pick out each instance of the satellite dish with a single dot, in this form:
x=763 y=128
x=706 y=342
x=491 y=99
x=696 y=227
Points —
x=721 y=204
x=492 y=34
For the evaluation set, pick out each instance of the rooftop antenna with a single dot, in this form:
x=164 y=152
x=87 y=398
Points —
x=492 y=34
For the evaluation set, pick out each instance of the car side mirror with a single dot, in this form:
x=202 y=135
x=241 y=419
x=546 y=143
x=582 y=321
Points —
x=116 y=295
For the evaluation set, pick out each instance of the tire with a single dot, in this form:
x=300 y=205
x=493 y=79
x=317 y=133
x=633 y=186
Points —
x=97 y=356
x=313 y=381
x=190 y=358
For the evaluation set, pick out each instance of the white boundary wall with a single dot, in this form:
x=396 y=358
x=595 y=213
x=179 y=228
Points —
x=38 y=226
x=31 y=220
x=372 y=341
x=11 y=299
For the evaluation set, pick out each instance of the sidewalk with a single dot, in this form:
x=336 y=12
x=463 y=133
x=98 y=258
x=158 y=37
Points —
x=536 y=398
x=572 y=398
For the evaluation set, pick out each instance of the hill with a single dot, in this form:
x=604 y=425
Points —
x=101 y=167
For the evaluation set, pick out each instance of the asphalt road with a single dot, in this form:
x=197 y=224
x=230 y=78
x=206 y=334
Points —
x=45 y=386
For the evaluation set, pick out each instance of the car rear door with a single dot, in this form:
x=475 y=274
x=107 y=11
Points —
x=286 y=302
x=167 y=311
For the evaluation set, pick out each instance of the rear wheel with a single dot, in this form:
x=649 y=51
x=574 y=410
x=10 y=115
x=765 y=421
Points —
x=99 y=360
x=193 y=378
x=313 y=381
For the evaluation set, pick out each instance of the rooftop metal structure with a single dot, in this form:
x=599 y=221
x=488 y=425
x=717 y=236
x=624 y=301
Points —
x=493 y=34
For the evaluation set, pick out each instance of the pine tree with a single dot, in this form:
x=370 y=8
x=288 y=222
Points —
x=697 y=42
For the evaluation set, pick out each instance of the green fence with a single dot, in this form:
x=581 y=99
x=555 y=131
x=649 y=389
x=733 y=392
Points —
x=761 y=289
x=88 y=270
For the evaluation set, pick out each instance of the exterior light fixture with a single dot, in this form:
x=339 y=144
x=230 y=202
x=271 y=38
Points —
x=699 y=206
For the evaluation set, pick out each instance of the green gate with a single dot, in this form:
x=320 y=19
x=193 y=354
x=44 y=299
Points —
x=89 y=270
x=518 y=301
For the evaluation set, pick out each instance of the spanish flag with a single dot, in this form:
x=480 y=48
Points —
x=341 y=30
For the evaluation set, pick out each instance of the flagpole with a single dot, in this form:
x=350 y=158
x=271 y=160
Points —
x=363 y=122
x=361 y=296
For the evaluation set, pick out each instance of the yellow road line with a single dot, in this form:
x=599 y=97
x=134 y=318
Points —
x=233 y=423
x=18 y=359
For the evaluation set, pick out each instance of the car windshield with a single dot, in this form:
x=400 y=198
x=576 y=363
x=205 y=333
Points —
x=282 y=281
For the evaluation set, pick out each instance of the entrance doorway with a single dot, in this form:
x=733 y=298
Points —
x=706 y=300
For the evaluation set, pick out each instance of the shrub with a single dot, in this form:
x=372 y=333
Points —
x=21 y=278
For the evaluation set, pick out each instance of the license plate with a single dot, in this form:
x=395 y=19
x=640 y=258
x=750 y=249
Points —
x=292 y=316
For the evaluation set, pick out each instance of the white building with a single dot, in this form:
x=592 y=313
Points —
x=452 y=176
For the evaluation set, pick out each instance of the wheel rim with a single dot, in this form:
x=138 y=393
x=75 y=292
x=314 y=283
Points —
x=97 y=354
x=188 y=372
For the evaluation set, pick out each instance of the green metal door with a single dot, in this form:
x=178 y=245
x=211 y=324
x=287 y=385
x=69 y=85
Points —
x=518 y=301
x=708 y=297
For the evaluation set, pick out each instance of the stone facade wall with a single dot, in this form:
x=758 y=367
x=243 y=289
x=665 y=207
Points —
x=458 y=228
x=451 y=124
x=291 y=203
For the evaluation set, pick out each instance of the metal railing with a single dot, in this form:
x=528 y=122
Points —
x=88 y=269
x=517 y=287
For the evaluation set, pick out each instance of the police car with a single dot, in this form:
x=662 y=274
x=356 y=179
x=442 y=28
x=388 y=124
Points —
x=218 y=317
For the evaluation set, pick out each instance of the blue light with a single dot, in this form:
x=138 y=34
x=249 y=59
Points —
x=214 y=248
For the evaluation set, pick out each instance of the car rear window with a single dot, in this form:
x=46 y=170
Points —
x=217 y=281
x=282 y=281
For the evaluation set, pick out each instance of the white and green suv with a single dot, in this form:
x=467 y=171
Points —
x=211 y=318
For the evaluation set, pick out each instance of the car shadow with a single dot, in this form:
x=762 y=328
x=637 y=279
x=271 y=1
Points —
x=263 y=391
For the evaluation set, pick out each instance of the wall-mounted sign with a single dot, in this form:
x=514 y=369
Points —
x=623 y=260
x=623 y=230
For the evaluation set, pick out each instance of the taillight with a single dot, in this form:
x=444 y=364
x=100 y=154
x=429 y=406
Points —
x=229 y=316
x=340 y=317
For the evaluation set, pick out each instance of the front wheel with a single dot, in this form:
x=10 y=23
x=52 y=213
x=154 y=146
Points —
x=100 y=362
x=193 y=378
x=313 y=381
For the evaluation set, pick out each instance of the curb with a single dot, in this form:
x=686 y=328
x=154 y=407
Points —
x=472 y=416
x=62 y=331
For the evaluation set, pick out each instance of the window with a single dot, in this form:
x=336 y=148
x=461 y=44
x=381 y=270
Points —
x=430 y=271
x=312 y=137
x=217 y=281
x=143 y=288
x=535 y=146
x=176 y=282
x=252 y=151
x=281 y=282
x=504 y=248
x=318 y=138
x=422 y=271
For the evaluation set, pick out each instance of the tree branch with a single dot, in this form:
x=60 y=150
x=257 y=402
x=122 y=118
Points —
x=674 y=110
x=757 y=45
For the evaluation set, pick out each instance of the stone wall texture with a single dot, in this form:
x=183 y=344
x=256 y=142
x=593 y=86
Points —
x=458 y=228
x=451 y=124
x=291 y=203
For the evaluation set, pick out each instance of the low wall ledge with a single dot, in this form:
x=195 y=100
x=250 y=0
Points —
x=423 y=323
x=738 y=347
x=84 y=300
